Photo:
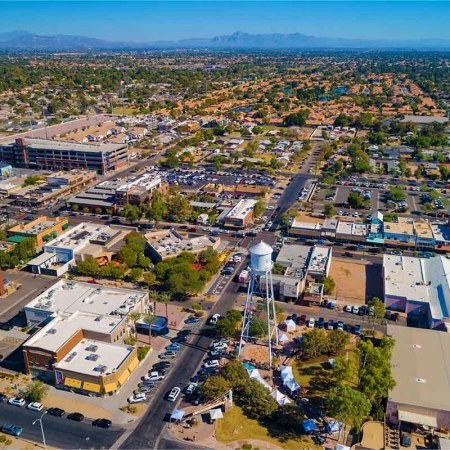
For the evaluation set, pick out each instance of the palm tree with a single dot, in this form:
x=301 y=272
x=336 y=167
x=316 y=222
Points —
x=134 y=316
x=149 y=319
x=165 y=298
x=153 y=295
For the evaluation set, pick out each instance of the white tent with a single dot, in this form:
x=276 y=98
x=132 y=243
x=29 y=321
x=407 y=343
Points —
x=254 y=373
x=286 y=372
x=215 y=414
x=280 y=398
x=177 y=414
x=290 y=325
x=282 y=338
x=291 y=384
x=342 y=447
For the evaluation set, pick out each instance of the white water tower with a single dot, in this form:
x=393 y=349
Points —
x=260 y=288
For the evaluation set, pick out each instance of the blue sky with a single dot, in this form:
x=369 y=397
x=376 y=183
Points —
x=143 y=21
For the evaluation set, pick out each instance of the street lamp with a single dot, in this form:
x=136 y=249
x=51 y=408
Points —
x=42 y=427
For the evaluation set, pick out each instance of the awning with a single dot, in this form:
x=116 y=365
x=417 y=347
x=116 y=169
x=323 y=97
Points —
x=72 y=382
x=123 y=377
x=177 y=414
x=133 y=364
x=93 y=387
x=110 y=387
x=216 y=413
x=418 y=419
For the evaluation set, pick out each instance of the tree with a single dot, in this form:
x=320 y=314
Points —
x=258 y=328
x=256 y=400
x=345 y=403
x=133 y=317
x=149 y=278
x=337 y=340
x=259 y=208
x=314 y=343
x=149 y=319
x=131 y=213
x=250 y=149
x=355 y=200
x=328 y=285
x=135 y=273
x=144 y=261
x=235 y=373
x=128 y=256
x=36 y=392
x=226 y=327
x=396 y=194
x=298 y=119
x=158 y=208
x=379 y=309
x=88 y=267
x=329 y=210
x=215 y=386
x=343 y=369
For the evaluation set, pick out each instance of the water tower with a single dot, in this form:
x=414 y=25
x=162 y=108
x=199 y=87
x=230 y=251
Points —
x=260 y=289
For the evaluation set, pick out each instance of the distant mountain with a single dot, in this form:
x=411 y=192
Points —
x=21 y=40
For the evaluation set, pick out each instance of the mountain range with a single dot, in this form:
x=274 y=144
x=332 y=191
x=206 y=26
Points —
x=23 y=41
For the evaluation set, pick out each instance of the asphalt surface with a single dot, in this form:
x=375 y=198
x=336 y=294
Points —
x=292 y=191
x=59 y=431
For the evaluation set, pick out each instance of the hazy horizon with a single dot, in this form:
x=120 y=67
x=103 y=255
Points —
x=144 y=21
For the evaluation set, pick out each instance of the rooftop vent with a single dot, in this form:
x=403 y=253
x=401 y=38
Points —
x=421 y=380
x=92 y=357
x=52 y=331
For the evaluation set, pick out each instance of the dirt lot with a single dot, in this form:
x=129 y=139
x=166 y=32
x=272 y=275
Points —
x=355 y=282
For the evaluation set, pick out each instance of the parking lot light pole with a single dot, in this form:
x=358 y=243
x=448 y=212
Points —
x=42 y=427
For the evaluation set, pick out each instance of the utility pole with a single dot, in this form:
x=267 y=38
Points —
x=42 y=427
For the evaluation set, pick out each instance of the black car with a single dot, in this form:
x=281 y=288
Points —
x=3 y=398
x=321 y=322
x=184 y=332
x=102 y=423
x=58 y=412
x=77 y=417
x=179 y=339
x=161 y=365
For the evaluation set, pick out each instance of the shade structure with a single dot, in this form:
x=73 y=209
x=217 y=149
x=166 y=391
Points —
x=93 y=387
x=286 y=372
x=342 y=447
x=72 y=382
x=290 y=325
x=216 y=413
x=283 y=338
x=332 y=427
x=292 y=385
x=254 y=373
x=280 y=398
x=177 y=414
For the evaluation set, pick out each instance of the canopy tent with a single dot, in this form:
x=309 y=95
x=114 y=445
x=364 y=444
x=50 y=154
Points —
x=290 y=325
x=286 y=372
x=254 y=373
x=333 y=426
x=282 y=338
x=215 y=414
x=280 y=398
x=177 y=414
x=342 y=447
x=309 y=426
x=292 y=385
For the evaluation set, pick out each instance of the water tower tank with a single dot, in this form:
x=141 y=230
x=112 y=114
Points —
x=261 y=258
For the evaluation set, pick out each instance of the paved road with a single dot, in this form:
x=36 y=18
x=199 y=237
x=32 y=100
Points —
x=292 y=191
x=59 y=431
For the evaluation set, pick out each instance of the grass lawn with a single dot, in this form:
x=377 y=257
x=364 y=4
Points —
x=126 y=110
x=236 y=426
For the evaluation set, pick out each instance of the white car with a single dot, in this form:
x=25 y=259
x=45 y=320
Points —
x=153 y=376
x=237 y=258
x=310 y=323
x=138 y=398
x=348 y=308
x=35 y=406
x=220 y=346
x=270 y=207
x=212 y=363
x=355 y=309
x=191 y=388
x=17 y=401
x=173 y=394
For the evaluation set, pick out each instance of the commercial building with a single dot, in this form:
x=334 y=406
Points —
x=42 y=229
x=295 y=259
x=68 y=297
x=241 y=214
x=170 y=243
x=85 y=239
x=420 y=366
x=82 y=352
x=46 y=154
x=320 y=262
x=139 y=190
x=420 y=287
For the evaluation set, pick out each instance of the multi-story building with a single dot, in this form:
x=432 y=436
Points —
x=42 y=229
x=241 y=214
x=46 y=154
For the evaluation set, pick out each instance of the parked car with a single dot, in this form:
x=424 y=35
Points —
x=348 y=308
x=301 y=320
x=173 y=347
x=138 y=398
x=162 y=365
x=76 y=417
x=330 y=324
x=173 y=394
x=220 y=346
x=192 y=387
x=153 y=376
x=17 y=401
x=167 y=355
x=215 y=353
x=11 y=429
x=58 y=412
x=405 y=440
x=331 y=305
x=102 y=423
x=35 y=406
x=311 y=322
x=340 y=326
x=192 y=320
x=212 y=363
x=355 y=309
x=357 y=330
x=321 y=322
x=214 y=319
x=3 y=398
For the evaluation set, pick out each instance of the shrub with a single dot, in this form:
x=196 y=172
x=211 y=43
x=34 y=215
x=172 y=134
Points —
x=142 y=352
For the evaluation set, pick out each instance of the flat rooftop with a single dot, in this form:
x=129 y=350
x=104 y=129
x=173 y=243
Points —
x=171 y=242
x=105 y=360
x=147 y=181
x=36 y=226
x=69 y=297
x=241 y=209
x=67 y=146
x=421 y=366
x=83 y=234
x=441 y=233
x=423 y=229
x=294 y=257
x=404 y=226
x=56 y=333
x=320 y=259
x=419 y=279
